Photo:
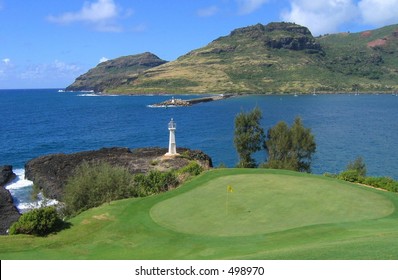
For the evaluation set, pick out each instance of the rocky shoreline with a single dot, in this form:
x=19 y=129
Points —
x=8 y=212
x=51 y=172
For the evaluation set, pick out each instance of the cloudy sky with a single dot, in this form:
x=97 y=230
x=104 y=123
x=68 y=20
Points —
x=47 y=43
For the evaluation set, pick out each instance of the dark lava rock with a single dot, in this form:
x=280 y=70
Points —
x=6 y=175
x=50 y=173
x=8 y=212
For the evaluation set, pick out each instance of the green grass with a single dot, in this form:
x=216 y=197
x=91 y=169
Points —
x=266 y=203
x=269 y=215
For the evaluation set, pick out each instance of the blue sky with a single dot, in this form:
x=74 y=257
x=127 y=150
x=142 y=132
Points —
x=48 y=43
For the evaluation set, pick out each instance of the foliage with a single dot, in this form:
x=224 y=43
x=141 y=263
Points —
x=155 y=182
x=290 y=148
x=356 y=173
x=39 y=222
x=249 y=136
x=349 y=175
x=95 y=184
x=386 y=183
x=358 y=165
x=193 y=169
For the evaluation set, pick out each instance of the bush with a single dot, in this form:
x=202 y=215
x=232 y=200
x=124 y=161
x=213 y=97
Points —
x=330 y=175
x=155 y=182
x=93 y=185
x=349 y=175
x=383 y=183
x=358 y=165
x=39 y=222
x=193 y=169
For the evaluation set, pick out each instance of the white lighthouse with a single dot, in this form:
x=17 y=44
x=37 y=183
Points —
x=172 y=139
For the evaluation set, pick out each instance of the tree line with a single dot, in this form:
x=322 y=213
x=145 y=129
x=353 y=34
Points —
x=286 y=147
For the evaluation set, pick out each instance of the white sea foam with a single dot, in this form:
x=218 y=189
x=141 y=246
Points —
x=89 y=94
x=21 y=189
x=19 y=181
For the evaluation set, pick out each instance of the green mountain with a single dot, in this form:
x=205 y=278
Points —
x=116 y=72
x=272 y=58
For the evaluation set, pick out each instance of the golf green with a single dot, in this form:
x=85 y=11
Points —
x=265 y=203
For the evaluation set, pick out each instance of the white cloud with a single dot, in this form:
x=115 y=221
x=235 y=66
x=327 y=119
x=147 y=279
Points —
x=5 y=67
x=249 y=6
x=103 y=59
x=101 y=13
x=56 y=69
x=322 y=16
x=208 y=12
x=379 y=12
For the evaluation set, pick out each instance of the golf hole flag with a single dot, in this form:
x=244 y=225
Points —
x=229 y=189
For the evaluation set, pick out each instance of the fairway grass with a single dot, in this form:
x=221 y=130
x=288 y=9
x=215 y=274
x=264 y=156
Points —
x=269 y=214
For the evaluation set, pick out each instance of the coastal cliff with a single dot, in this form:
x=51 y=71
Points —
x=8 y=212
x=51 y=172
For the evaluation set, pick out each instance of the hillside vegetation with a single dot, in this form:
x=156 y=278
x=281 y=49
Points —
x=272 y=58
x=115 y=72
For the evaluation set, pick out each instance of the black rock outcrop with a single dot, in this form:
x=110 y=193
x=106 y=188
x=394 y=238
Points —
x=50 y=173
x=8 y=212
x=6 y=175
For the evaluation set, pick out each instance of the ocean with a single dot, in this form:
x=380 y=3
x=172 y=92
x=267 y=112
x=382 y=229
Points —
x=45 y=121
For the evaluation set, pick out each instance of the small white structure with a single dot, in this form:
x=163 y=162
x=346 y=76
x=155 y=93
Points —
x=172 y=139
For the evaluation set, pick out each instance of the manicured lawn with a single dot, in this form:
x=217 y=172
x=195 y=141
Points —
x=269 y=215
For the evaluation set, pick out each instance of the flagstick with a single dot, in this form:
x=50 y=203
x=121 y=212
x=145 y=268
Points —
x=226 y=204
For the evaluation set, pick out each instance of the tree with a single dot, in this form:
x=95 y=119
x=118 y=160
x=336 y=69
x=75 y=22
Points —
x=290 y=148
x=358 y=165
x=304 y=145
x=249 y=136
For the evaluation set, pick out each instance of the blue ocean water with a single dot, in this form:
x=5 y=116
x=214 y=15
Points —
x=40 y=122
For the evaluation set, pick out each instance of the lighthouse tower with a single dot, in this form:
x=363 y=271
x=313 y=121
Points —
x=172 y=139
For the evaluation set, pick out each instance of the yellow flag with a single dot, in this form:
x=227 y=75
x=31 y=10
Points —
x=230 y=189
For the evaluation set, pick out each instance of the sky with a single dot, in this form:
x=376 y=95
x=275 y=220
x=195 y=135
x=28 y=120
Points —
x=49 y=43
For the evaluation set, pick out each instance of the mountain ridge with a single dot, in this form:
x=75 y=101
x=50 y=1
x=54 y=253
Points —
x=278 y=57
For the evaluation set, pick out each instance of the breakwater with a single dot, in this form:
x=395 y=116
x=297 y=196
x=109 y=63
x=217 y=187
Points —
x=177 y=102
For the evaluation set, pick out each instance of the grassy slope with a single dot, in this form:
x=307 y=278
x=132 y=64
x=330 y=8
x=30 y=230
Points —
x=125 y=229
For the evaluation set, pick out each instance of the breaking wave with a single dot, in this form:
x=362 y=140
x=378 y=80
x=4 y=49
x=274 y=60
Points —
x=21 y=190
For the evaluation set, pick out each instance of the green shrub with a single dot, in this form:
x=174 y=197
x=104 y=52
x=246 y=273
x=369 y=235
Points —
x=93 y=185
x=39 y=222
x=330 y=175
x=193 y=168
x=383 y=183
x=358 y=165
x=155 y=182
x=351 y=176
